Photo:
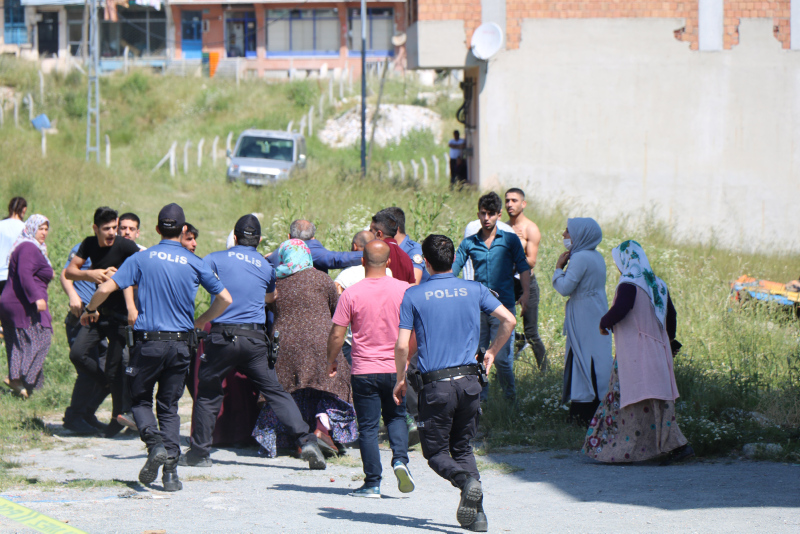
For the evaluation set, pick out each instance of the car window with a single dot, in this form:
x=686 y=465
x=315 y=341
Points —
x=266 y=148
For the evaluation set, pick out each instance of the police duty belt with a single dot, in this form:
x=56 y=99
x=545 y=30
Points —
x=143 y=336
x=450 y=372
x=230 y=331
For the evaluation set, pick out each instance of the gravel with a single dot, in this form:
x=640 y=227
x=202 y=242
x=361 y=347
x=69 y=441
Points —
x=555 y=491
x=395 y=121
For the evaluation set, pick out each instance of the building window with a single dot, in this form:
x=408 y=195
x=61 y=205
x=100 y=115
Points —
x=75 y=30
x=142 y=30
x=14 y=27
x=240 y=31
x=380 y=29
x=306 y=32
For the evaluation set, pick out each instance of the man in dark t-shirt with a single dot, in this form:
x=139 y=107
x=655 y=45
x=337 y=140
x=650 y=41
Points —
x=107 y=251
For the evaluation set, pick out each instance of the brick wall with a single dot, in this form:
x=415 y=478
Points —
x=778 y=10
x=467 y=10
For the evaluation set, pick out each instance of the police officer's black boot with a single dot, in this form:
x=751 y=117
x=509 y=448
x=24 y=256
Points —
x=471 y=495
x=156 y=457
x=481 y=524
x=170 y=475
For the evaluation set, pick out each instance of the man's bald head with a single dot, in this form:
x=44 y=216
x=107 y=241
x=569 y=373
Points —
x=302 y=229
x=376 y=254
x=361 y=239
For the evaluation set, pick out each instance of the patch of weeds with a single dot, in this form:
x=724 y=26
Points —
x=359 y=476
x=498 y=467
x=344 y=460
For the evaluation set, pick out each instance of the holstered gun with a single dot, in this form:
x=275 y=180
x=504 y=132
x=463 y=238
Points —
x=129 y=340
x=272 y=356
x=483 y=379
x=414 y=378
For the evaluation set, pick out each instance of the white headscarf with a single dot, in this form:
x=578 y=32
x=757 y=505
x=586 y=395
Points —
x=635 y=268
x=29 y=234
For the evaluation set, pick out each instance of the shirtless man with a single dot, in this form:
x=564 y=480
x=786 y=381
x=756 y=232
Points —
x=529 y=235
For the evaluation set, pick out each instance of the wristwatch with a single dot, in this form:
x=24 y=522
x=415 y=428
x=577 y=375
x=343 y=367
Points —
x=87 y=311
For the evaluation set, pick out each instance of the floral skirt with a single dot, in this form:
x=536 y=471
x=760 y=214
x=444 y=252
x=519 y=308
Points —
x=638 y=432
x=272 y=435
x=27 y=349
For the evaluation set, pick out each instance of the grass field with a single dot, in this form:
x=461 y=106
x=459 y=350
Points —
x=737 y=358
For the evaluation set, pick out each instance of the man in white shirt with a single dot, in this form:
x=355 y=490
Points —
x=353 y=275
x=458 y=167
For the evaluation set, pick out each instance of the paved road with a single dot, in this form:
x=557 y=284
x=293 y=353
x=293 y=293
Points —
x=525 y=492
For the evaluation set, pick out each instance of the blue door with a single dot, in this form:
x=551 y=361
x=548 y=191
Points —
x=192 y=34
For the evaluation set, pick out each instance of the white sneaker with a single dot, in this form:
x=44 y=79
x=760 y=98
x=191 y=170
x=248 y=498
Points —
x=405 y=482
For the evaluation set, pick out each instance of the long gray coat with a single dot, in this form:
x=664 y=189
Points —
x=584 y=282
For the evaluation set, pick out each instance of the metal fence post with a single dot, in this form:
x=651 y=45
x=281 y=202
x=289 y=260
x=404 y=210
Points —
x=186 y=157
x=108 y=151
x=435 y=168
x=200 y=152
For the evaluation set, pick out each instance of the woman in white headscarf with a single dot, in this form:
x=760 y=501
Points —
x=27 y=324
x=587 y=365
x=636 y=420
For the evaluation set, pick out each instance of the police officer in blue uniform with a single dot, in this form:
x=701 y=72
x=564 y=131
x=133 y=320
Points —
x=168 y=277
x=445 y=314
x=238 y=340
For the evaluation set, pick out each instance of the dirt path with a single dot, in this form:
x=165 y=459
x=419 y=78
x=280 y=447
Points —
x=525 y=492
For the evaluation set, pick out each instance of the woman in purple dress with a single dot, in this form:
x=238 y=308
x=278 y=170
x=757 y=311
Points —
x=23 y=308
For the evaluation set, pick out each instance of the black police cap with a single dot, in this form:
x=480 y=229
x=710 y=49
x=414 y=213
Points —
x=247 y=226
x=171 y=216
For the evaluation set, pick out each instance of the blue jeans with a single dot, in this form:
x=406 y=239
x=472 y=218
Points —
x=372 y=397
x=504 y=361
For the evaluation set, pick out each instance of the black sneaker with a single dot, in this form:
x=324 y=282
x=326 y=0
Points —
x=471 y=494
x=192 y=459
x=113 y=429
x=311 y=453
x=95 y=422
x=156 y=458
x=80 y=427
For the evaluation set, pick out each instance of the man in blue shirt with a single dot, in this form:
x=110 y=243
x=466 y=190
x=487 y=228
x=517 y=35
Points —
x=445 y=315
x=324 y=259
x=168 y=277
x=87 y=395
x=238 y=340
x=495 y=254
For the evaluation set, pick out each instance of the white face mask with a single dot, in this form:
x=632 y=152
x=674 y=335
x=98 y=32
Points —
x=568 y=243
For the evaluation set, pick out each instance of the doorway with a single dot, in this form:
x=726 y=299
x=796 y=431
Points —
x=47 y=31
x=192 y=34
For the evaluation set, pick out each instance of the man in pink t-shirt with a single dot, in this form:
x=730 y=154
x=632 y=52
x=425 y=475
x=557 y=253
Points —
x=371 y=308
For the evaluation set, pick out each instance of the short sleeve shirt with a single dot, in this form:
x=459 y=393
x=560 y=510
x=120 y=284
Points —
x=84 y=289
x=248 y=277
x=372 y=308
x=105 y=257
x=445 y=313
x=400 y=263
x=168 y=276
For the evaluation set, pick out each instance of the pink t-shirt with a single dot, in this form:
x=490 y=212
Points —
x=372 y=309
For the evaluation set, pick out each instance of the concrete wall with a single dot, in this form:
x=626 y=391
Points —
x=615 y=117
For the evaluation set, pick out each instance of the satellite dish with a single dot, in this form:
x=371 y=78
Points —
x=399 y=39
x=487 y=40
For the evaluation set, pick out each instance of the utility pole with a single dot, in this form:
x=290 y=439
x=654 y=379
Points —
x=363 y=87
x=93 y=97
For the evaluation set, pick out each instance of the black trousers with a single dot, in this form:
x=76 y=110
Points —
x=164 y=363
x=82 y=350
x=87 y=395
x=448 y=420
x=249 y=357
x=530 y=320
x=412 y=399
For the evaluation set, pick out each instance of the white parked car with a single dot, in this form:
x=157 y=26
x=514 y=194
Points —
x=262 y=157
